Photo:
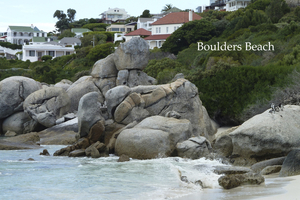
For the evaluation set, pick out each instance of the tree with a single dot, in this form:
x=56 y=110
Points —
x=167 y=7
x=146 y=14
x=66 y=33
x=100 y=51
x=276 y=10
x=71 y=14
x=131 y=19
x=63 y=22
x=191 y=32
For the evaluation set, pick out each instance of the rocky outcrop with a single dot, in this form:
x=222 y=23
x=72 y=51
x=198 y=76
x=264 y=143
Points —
x=235 y=180
x=135 y=104
x=223 y=145
x=133 y=54
x=25 y=141
x=62 y=134
x=271 y=170
x=132 y=78
x=258 y=167
x=65 y=84
x=231 y=170
x=20 y=123
x=13 y=91
x=291 y=164
x=82 y=86
x=88 y=112
x=47 y=105
x=194 y=148
x=105 y=68
x=267 y=135
x=153 y=137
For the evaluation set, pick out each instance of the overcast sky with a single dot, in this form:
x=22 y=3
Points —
x=40 y=13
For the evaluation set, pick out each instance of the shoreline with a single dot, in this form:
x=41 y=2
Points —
x=274 y=188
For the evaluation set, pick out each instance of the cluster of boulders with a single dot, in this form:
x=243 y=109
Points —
x=119 y=109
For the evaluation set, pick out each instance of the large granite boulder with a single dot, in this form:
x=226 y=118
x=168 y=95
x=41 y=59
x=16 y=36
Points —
x=25 y=141
x=135 y=104
x=61 y=134
x=133 y=54
x=105 y=84
x=13 y=91
x=105 y=68
x=19 y=123
x=291 y=164
x=81 y=87
x=133 y=78
x=267 y=135
x=153 y=137
x=223 y=145
x=89 y=112
x=194 y=148
x=47 y=105
x=258 y=167
x=65 y=84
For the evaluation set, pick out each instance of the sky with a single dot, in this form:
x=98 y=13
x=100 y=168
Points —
x=40 y=13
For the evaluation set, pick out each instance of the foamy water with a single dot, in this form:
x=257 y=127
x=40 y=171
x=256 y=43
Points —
x=49 y=177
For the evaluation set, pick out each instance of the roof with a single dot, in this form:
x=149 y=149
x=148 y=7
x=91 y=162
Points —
x=24 y=29
x=143 y=19
x=139 y=31
x=69 y=40
x=21 y=28
x=176 y=18
x=158 y=37
x=39 y=39
x=80 y=30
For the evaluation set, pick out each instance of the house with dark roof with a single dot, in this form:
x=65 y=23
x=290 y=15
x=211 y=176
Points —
x=164 y=27
x=137 y=33
x=23 y=34
x=79 y=31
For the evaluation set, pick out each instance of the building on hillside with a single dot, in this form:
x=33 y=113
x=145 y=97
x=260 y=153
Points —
x=124 y=28
x=137 y=33
x=23 y=34
x=199 y=9
x=233 y=5
x=3 y=38
x=113 y=15
x=217 y=5
x=79 y=31
x=35 y=50
x=164 y=27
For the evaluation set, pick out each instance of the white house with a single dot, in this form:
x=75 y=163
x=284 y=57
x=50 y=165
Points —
x=34 y=51
x=23 y=34
x=124 y=28
x=113 y=15
x=145 y=23
x=234 y=5
x=164 y=27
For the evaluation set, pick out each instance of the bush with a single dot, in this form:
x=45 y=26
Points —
x=92 y=26
x=100 y=51
x=46 y=57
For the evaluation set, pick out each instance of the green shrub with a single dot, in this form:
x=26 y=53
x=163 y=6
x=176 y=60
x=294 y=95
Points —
x=46 y=57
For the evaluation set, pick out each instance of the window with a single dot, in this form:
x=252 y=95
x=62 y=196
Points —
x=115 y=29
x=159 y=30
x=128 y=29
x=37 y=34
x=156 y=29
x=122 y=29
x=42 y=34
x=68 y=53
x=51 y=53
x=159 y=43
x=32 y=53
x=167 y=29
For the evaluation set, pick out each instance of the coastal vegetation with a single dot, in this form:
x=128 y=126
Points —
x=233 y=85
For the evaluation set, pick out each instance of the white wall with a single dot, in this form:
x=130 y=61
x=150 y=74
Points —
x=164 y=29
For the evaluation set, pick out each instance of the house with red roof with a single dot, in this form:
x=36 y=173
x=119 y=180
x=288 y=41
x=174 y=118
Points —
x=137 y=33
x=165 y=26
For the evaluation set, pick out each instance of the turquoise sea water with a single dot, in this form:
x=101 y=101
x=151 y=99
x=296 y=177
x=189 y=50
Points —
x=49 y=177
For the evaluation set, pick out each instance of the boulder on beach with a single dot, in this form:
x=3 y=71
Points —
x=82 y=86
x=291 y=164
x=235 y=180
x=258 y=167
x=133 y=54
x=13 y=91
x=88 y=112
x=153 y=137
x=25 y=141
x=194 y=148
x=20 y=123
x=135 y=104
x=47 y=105
x=105 y=68
x=267 y=135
